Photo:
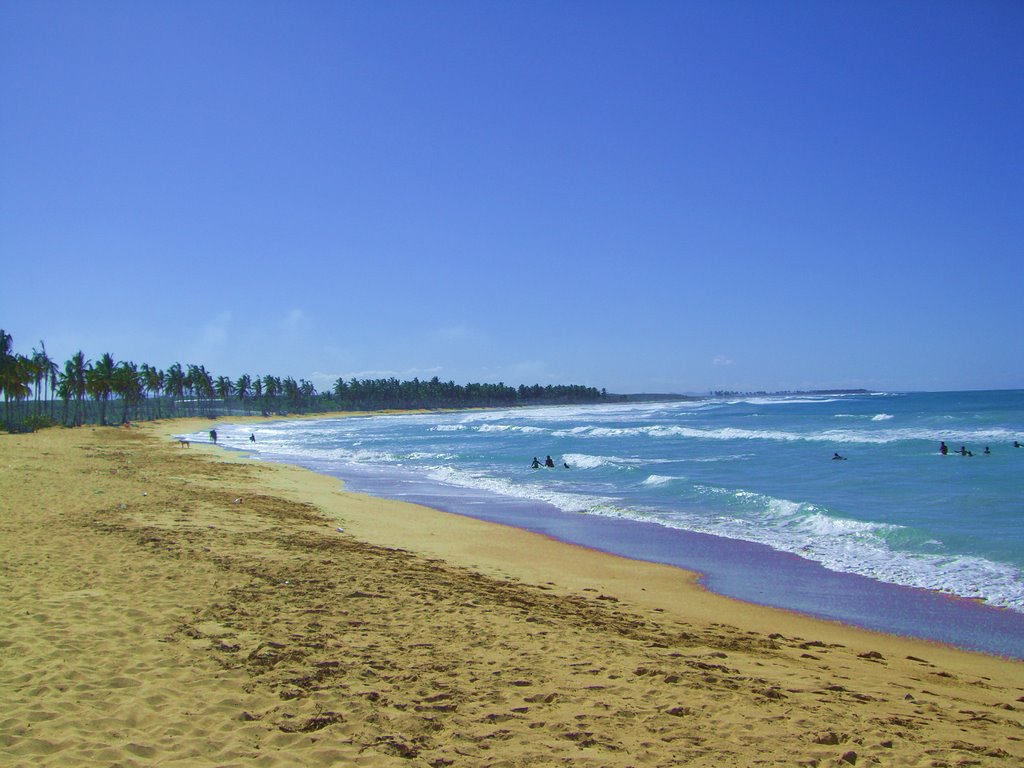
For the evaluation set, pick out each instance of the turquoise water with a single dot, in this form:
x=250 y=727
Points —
x=755 y=469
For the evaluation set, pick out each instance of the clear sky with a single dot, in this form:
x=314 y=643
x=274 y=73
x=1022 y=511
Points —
x=643 y=196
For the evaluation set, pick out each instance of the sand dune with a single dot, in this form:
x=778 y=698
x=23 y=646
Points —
x=172 y=606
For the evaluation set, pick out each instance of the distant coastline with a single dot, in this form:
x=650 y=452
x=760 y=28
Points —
x=653 y=397
x=38 y=392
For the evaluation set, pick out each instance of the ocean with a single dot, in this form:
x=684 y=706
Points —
x=893 y=536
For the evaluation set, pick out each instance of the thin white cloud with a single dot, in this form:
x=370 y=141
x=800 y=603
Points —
x=721 y=360
x=423 y=372
x=407 y=374
x=380 y=374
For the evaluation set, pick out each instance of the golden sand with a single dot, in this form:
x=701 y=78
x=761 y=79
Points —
x=177 y=606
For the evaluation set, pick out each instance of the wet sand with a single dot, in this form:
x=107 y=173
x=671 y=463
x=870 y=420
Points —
x=186 y=606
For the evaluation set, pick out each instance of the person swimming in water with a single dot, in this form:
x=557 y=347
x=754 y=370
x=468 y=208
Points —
x=837 y=457
x=535 y=464
x=549 y=462
x=943 y=448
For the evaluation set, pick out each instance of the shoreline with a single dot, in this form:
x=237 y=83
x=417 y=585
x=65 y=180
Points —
x=728 y=567
x=192 y=604
x=418 y=538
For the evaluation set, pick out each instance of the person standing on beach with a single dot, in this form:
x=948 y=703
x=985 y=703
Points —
x=213 y=436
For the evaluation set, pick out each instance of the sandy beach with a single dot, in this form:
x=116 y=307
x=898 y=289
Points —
x=172 y=605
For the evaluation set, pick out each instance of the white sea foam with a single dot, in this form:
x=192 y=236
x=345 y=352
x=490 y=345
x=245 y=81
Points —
x=526 y=430
x=573 y=431
x=576 y=413
x=783 y=400
x=849 y=546
x=568 y=502
x=321 y=455
x=484 y=428
x=429 y=456
x=836 y=436
x=587 y=461
x=583 y=461
x=715 y=459
x=592 y=431
x=657 y=480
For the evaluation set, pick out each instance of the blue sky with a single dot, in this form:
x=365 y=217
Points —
x=678 y=196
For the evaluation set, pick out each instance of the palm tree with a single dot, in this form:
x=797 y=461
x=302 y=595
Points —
x=38 y=372
x=190 y=389
x=74 y=382
x=6 y=371
x=64 y=392
x=291 y=393
x=225 y=388
x=174 y=384
x=156 y=381
x=153 y=381
x=257 y=391
x=272 y=388
x=16 y=374
x=307 y=390
x=16 y=383
x=243 y=387
x=49 y=370
x=127 y=384
x=99 y=380
x=202 y=385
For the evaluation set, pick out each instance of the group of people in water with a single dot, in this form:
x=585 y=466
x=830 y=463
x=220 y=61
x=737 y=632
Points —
x=548 y=462
x=944 y=449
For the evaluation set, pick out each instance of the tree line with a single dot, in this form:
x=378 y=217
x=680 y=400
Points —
x=39 y=392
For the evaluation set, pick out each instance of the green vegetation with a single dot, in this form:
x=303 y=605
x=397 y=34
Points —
x=38 y=393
